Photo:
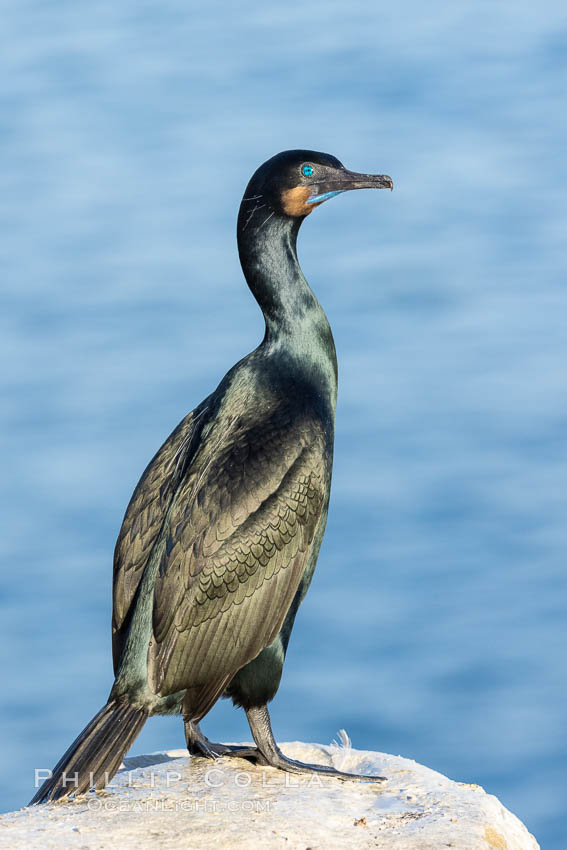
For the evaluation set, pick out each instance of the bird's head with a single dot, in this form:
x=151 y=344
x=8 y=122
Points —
x=293 y=183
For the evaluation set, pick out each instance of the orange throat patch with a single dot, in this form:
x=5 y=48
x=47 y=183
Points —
x=294 y=201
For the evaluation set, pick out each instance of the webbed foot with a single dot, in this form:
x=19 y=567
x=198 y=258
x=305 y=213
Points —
x=199 y=745
x=269 y=754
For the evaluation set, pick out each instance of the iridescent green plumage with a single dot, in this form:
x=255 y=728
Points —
x=220 y=539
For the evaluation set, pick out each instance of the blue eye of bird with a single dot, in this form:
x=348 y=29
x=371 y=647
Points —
x=307 y=170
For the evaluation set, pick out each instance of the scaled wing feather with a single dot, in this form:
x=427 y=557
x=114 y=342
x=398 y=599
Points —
x=239 y=538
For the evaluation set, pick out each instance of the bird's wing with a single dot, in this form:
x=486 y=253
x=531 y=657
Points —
x=144 y=518
x=238 y=541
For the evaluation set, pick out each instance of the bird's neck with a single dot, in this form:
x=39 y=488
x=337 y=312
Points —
x=296 y=324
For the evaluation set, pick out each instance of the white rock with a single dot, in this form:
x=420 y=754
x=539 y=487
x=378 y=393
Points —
x=168 y=801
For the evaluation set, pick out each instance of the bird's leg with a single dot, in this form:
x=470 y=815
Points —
x=270 y=754
x=199 y=745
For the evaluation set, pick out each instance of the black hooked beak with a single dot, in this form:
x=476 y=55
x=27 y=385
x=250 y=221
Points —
x=344 y=181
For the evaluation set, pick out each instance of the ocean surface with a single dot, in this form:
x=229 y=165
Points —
x=435 y=625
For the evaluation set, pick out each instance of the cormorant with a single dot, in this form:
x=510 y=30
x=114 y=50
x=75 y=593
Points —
x=220 y=539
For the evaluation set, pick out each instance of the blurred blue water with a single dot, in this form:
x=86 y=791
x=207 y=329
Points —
x=435 y=624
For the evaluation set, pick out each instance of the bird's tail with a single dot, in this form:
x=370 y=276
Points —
x=94 y=757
